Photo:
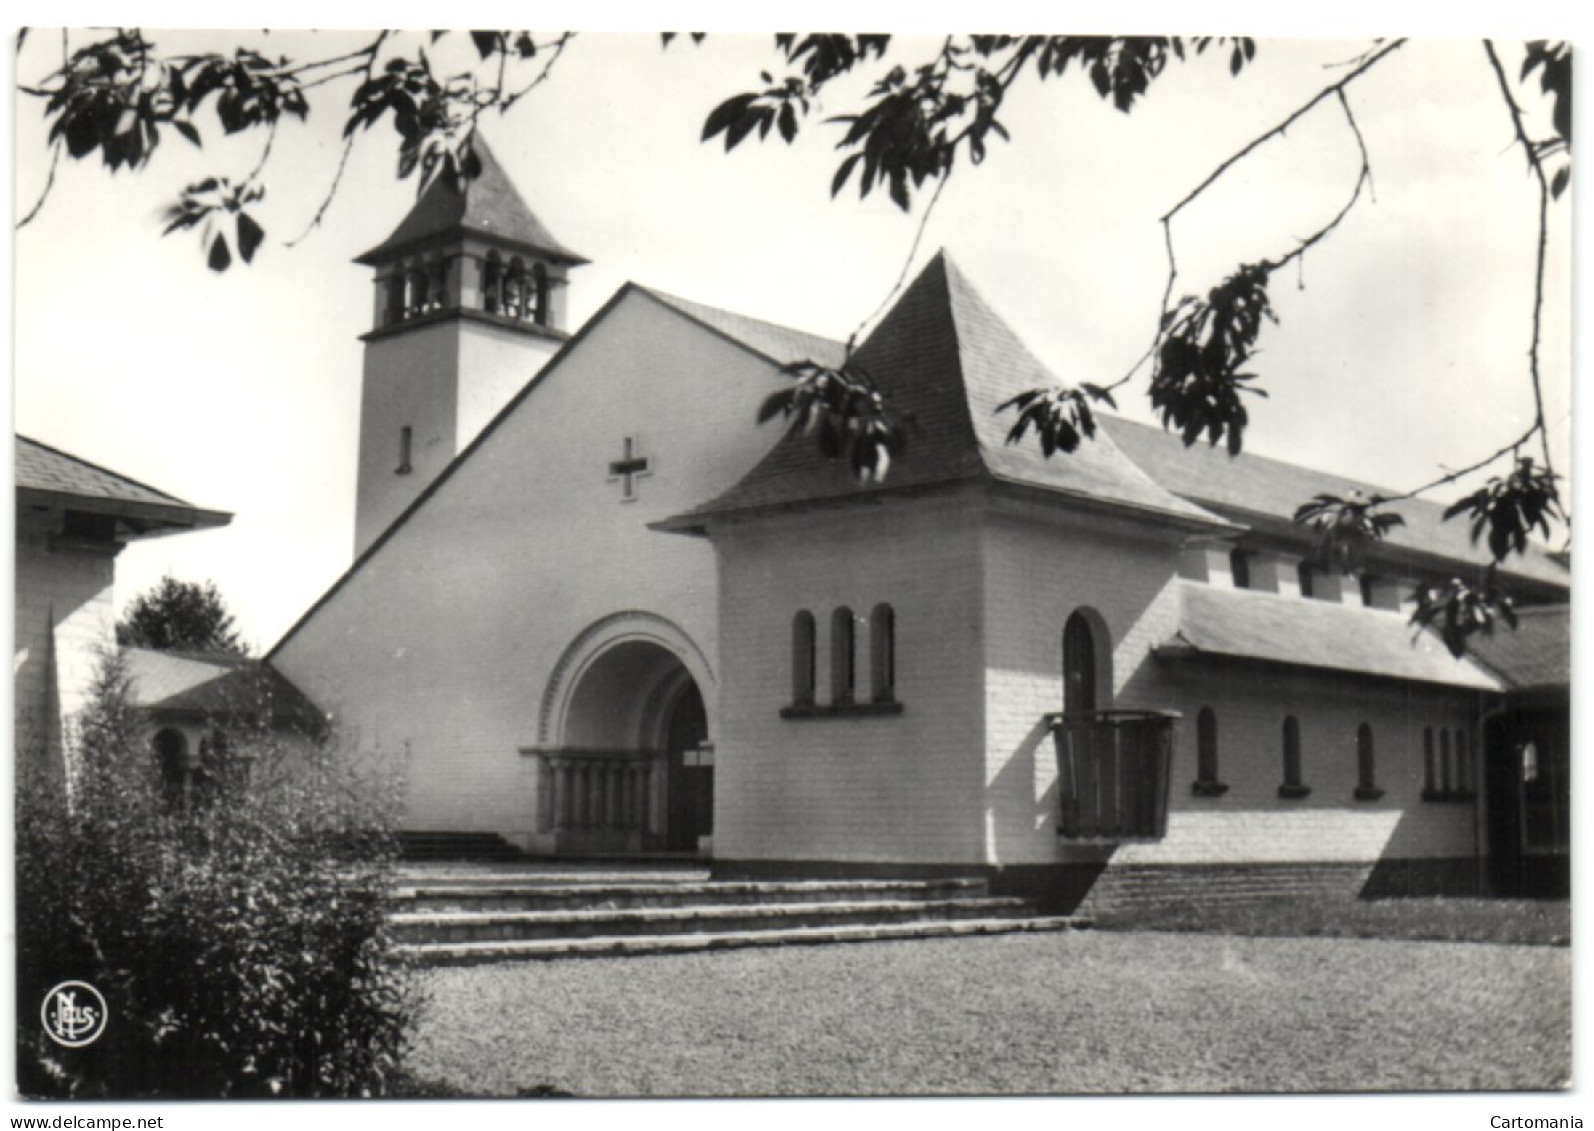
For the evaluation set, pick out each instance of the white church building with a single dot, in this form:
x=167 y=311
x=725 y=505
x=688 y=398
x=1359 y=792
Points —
x=594 y=609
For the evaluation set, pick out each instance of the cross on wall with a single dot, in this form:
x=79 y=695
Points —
x=629 y=468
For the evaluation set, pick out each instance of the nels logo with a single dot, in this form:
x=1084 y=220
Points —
x=74 y=1014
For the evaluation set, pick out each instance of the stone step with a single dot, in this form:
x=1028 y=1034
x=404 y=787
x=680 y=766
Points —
x=460 y=927
x=473 y=877
x=540 y=895
x=610 y=946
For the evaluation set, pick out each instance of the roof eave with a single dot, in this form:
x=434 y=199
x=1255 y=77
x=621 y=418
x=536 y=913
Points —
x=1179 y=649
x=174 y=516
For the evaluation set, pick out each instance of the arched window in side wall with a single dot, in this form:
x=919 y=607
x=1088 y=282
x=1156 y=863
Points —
x=1207 y=783
x=1464 y=785
x=1293 y=784
x=883 y=654
x=802 y=659
x=843 y=657
x=1079 y=666
x=1430 y=773
x=1366 y=765
x=1446 y=783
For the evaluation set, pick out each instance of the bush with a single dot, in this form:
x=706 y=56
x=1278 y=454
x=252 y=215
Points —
x=234 y=927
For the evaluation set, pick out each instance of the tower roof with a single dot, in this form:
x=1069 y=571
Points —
x=945 y=360
x=490 y=207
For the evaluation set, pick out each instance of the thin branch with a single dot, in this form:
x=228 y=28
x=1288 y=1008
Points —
x=1364 y=176
x=326 y=202
x=1276 y=131
x=558 y=47
x=1537 y=167
x=907 y=263
x=265 y=152
x=1452 y=476
x=370 y=53
x=49 y=183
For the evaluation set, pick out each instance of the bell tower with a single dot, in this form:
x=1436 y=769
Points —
x=470 y=304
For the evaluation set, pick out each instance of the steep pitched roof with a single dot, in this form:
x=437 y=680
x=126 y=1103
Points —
x=1250 y=625
x=1264 y=493
x=490 y=206
x=215 y=686
x=778 y=343
x=49 y=477
x=1537 y=655
x=945 y=361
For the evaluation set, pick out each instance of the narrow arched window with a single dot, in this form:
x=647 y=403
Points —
x=492 y=284
x=515 y=290
x=1079 y=666
x=843 y=672
x=418 y=282
x=802 y=659
x=395 y=298
x=539 y=294
x=1240 y=568
x=883 y=654
x=1430 y=775
x=1445 y=781
x=1366 y=765
x=406 y=444
x=436 y=284
x=1369 y=592
x=1463 y=763
x=1303 y=574
x=1293 y=785
x=1206 y=746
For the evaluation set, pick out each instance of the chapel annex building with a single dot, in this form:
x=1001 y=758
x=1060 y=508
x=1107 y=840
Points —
x=595 y=610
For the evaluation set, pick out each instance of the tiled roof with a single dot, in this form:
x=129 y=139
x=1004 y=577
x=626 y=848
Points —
x=49 y=476
x=1246 y=487
x=215 y=686
x=490 y=206
x=945 y=362
x=779 y=344
x=1537 y=655
x=1250 y=625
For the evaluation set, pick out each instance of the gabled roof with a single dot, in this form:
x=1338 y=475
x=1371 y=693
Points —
x=50 y=478
x=216 y=686
x=1264 y=493
x=777 y=343
x=1536 y=655
x=945 y=362
x=764 y=339
x=1245 y=624
x=490 y=206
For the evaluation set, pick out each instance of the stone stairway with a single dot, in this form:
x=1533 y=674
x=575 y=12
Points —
x=471 y=915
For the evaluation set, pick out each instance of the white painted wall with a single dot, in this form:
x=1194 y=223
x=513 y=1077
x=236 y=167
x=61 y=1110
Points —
x=438 y=650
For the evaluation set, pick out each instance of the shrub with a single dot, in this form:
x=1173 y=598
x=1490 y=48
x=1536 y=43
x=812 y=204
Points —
x=234 y=927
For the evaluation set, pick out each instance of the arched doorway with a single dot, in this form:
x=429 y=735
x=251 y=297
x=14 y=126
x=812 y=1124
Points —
x=631 y=767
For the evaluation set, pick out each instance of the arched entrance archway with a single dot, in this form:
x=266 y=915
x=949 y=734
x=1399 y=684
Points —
x=630 y=764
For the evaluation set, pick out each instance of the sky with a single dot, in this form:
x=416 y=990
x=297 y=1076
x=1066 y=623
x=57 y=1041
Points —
x=1400 y=349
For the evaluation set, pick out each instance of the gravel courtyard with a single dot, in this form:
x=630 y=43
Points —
x=1081 y=1012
